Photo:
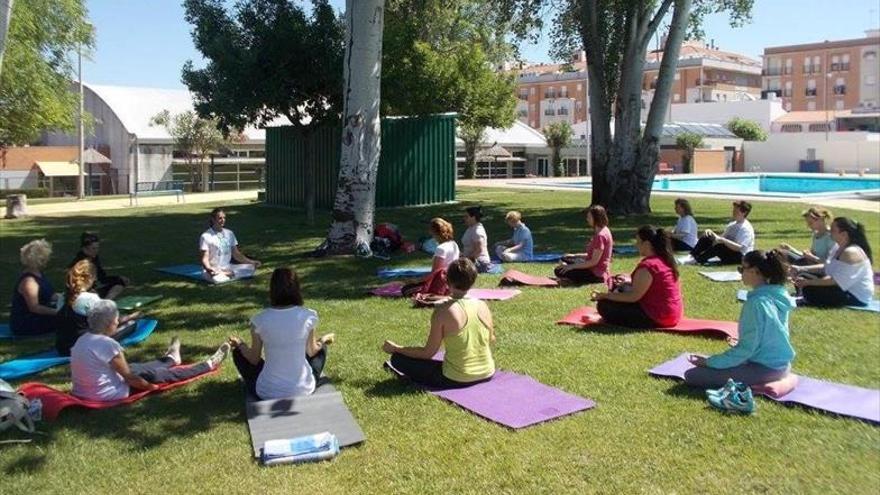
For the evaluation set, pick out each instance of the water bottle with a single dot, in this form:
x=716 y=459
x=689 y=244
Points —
x=35 y=410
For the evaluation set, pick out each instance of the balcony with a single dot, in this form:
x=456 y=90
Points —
x=772 y=71
x=549 y=95
x=844 y=66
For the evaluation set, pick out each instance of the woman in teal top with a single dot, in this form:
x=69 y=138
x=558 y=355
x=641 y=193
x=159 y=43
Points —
x=463 y=326
x=817 y=220
x=763 y=353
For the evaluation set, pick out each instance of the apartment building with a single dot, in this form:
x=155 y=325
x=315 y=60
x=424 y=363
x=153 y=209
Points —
x=828 y=75
x=705 y=74
x=550 y=93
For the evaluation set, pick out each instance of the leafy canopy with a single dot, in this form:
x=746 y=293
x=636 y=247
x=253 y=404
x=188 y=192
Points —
x=35 y=85
x=748 y=130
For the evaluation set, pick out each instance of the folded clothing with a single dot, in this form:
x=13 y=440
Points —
x=308 y=448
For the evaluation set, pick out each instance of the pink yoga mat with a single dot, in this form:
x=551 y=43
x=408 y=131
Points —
x=393 y=290
x=837 y=398
x=516 y=277
x=513 y=400
x=587 y=316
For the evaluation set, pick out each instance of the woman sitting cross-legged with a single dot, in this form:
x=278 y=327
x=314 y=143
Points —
x=33 y=300
x=520 y=247
x=763 y=353
x=285 y=358
x=822 y=241
x=446 y=252
x=849 y=278
x=737 y=239
x=106 y=286
x=475 y=241
x=651 y=298
x=71 y=321
x=100 y=372
x=464 y=327
x=684 y=235
x=592 y=266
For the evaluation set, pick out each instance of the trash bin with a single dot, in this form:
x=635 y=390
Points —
x=16 y=205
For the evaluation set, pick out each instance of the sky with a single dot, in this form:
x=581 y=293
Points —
x=146 y=42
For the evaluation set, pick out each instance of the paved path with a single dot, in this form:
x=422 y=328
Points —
x=91 y=206
x=566 y=184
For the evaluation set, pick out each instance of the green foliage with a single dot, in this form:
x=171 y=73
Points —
x=194 y=137
x=35 y=85
x=266 y=58
x=748 y=130
x=688 y=141
x=558 y=136
x=646 y=435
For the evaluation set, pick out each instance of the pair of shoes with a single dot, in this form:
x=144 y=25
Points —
x=173 y=351
x=733 y=397
x=219 y=355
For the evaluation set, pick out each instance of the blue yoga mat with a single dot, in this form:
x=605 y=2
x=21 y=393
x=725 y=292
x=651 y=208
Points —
x=537 y=258
x=625 y=250
x=873 y=306
x=6 y=334
x=34 y=363
x=403 y=272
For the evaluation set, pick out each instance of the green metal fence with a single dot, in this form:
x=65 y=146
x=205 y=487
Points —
x=416 y=166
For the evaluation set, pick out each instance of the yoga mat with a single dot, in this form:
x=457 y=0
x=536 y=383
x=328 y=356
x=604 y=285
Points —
x=34 y=363
x=513 y=400
x=515 y=277
x=54 y=400
x=722 y=276
x=536 y=258
x=193 y=272
x=293 y=417
x=588 y=316
x=6 y=334
x=837 y=398
x=129 y=303
x=393 y=290
x=403 y=272
x=625 y=250
x=873 y=306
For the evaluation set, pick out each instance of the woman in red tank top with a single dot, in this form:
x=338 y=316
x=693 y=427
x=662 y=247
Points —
x=651 y=298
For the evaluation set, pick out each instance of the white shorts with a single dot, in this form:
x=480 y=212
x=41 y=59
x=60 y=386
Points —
x=238 y=271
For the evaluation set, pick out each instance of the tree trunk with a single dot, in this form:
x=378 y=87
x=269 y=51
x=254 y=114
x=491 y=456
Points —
x=470 y=159
x=649 y=148
x=556 y=157
x=5 y=18
x=352 y=226
x=600 y=113
x=309 y=181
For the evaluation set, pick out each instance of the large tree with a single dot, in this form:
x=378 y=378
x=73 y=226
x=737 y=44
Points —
x=615 y=35
x=35 y=90
x=5 y=16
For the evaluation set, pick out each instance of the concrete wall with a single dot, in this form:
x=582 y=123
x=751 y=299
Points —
x=782 y=152
x=18 y=179
x=710 y=162
x=762 y=111
x=154 y=162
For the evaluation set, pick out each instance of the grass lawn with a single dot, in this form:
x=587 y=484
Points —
x=646 y=435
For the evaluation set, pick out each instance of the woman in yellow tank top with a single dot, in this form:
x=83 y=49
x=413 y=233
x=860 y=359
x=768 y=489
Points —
x=464 y=327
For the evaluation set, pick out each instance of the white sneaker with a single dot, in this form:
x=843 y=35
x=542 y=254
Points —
x=218 y=356
x=173 y=350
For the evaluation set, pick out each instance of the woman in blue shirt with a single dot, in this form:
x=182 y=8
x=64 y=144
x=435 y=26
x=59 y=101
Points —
x=520 y=247
x=763 y=353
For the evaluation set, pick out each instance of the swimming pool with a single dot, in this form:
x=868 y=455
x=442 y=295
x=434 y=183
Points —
x=765 y=185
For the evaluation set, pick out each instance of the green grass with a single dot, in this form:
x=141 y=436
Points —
x=646 y=435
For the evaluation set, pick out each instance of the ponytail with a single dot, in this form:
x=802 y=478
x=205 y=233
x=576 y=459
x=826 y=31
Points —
x=856 y=233
x=770 y=264
x=661 y=242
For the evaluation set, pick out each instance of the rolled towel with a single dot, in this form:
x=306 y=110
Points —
x=317 y=447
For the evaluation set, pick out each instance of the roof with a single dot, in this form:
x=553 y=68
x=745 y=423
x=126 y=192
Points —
x=690 y=50
x=136 y=106
x=674 y=129
x=817 y=116
x=517 y=135
x=869 y=40
x=24 y=157
x=58 y=169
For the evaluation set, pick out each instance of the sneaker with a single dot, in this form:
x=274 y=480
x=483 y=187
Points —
x=218 y=356
x=728 y=388
x=173 y=350
x=737 y=401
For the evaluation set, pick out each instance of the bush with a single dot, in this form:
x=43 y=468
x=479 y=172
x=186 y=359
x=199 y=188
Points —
x=30 y=193
x=748 y=130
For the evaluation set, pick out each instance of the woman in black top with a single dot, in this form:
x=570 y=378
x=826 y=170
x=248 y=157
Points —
x=106 y=286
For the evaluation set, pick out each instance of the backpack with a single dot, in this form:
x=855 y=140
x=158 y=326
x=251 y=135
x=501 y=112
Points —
x=14 y=409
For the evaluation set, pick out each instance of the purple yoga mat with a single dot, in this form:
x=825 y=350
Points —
x=513 y=400
x=837 y=398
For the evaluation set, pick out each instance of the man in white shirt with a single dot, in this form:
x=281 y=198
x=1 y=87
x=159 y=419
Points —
x=738 y=239
x=218 y=247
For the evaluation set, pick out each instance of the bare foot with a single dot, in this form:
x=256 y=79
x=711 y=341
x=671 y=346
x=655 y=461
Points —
x=328 y=339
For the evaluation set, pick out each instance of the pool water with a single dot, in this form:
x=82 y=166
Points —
x=763 y=184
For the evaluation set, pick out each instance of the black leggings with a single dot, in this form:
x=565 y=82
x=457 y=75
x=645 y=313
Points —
x=679 y=245
x=624 y=314
x=706 y=249
x=163 y=370
x=829 y=296
x=577 y=276
x=104 y=286
x=250 y=372
x=426 y=372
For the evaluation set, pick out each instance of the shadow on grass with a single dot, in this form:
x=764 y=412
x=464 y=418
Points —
x=29 y=463
x=390 y=387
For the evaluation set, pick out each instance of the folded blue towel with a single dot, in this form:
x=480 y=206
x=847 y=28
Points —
x=403 y=272
x=537 y=258
x=34 y=363
x=317 y=447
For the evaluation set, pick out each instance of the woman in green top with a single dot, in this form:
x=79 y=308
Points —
x=463 y=326
x=817 y=220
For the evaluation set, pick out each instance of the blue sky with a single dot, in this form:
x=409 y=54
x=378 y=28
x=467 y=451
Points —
x=146 y=42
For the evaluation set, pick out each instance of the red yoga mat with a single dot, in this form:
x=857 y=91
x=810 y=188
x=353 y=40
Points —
x=588 y=316
x=516 y=277
x=54 y=400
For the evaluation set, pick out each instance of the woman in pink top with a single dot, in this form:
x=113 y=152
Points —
x=591 y=267
x=651 y=296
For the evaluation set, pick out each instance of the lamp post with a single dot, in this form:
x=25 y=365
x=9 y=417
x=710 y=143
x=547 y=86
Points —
x=80 y=182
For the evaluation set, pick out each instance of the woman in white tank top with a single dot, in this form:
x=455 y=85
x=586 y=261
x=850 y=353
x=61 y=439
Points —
x=285 y=358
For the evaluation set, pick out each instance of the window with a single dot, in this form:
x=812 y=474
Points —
x=787 y=91
x=788 y=65
x=563 y=92
x=838 y=105
x=823 y=127
x=844 y=61
x=549 y=112
x=677 y=76
x=523 y=94
x=839 y=86
x=811 y=106
x=550 y=93
x=791 y=128
x=869 y=55
x=562 y=111
x=531 y=90
x=835 y=62
x=579 y=88
x=811 y=88
x=817 y=64
x=808 y=65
